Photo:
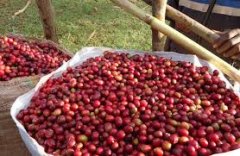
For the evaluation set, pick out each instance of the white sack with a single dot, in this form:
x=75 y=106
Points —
x=23 y=101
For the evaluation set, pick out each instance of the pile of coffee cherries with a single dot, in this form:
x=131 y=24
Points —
x=19 y=57
x=119 y=104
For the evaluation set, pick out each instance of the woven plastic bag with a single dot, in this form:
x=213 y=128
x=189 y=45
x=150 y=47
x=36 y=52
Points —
x=10 y=141
x=24 y=100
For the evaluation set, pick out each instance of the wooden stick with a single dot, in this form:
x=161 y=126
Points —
x=192 y=24
x=23 y=9
x=46 y=12
x=158 y=11
x=179 y=38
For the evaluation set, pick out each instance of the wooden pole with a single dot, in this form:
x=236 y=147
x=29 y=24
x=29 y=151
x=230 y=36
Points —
x=158 y=11
x=180 y=39
x=46 y=13
x=191 y=24
x=23 y=9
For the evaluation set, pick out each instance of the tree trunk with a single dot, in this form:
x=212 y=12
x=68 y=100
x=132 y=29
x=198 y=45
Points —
x=158 y=11
x=46 y=13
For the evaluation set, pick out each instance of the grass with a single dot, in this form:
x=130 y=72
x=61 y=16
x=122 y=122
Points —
x=80 y=24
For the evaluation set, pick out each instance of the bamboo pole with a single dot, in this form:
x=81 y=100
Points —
x=179 y=38
x=158 y=11
x=46 y=13
x=191 y=24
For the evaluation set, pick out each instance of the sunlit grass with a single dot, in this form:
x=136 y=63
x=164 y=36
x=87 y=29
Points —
x=80 y=24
